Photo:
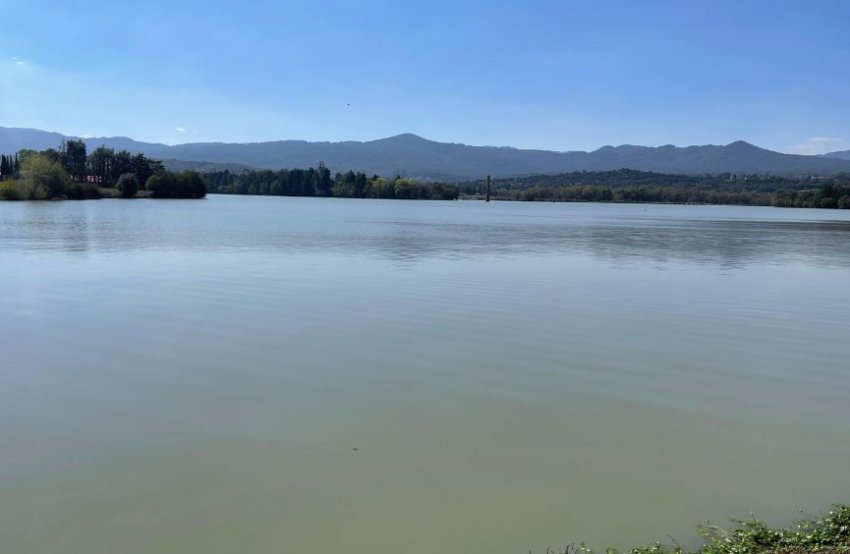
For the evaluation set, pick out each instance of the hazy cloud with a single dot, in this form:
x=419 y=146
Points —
x=819 y=145
x=180 y=129
x=18 y=61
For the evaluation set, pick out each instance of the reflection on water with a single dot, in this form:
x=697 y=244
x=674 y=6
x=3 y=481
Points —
x=728 y=236
x=283 y=375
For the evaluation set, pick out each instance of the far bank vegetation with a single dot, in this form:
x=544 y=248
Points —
x=318 y=181
x=632 y=186
x=69 y=172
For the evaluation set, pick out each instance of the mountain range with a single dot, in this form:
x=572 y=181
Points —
x=414 y=156
x=840 y=155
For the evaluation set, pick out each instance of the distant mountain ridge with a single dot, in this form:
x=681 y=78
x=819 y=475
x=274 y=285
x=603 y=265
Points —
x=414 y=156
x=839 y=155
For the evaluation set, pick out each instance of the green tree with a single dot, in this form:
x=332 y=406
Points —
x=828 y=203
x=74 y=159
x=41 y=173
x=128 y=185
x=53 y=155
x=324 y=183
x=161 y=184
x=20 y=158
x=190 y=185
x=101 y=162
x=343 y=184
x=144 y=167
x=121 y=164
x=167 y=184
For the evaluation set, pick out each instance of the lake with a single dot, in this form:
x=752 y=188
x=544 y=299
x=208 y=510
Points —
x=266 y=375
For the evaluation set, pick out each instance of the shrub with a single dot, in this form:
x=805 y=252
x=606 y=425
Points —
x=8 y=190
x=40 y=173
x=191 y=185
x=21 y=190
x=82 y=191
x=829 y=534
x=828 y=203
x=160 y=184
x=128 y=185
x=167 y=184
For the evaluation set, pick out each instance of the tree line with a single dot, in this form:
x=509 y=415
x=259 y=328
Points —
x=70 y=172
x=627 y=185
x=9 y=165
x=319 y=182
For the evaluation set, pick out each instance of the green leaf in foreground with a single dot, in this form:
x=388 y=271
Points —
x=829 y=534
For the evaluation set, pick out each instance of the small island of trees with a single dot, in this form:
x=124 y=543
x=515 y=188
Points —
x=68 y=172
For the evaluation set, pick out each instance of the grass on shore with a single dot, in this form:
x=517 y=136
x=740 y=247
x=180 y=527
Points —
x=16 y=189
x=21 y=189
x=829 y=534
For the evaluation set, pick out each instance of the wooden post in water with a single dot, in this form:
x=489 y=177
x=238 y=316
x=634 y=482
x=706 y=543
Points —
x=487 y=196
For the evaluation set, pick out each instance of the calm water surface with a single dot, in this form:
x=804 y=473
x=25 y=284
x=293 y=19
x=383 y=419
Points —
x=275 y=375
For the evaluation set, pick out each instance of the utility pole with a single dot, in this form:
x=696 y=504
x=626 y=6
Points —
x=487 y=196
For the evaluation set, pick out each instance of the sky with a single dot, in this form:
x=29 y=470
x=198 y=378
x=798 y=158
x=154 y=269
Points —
x=557 y=75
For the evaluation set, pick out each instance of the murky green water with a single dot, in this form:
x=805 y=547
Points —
x=272 y=375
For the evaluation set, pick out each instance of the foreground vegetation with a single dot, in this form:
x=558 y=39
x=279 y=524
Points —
x=829 y=534
x=70 y=173
x=628 y=185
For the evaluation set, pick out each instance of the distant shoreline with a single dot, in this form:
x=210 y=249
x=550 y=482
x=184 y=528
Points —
x=112 y=194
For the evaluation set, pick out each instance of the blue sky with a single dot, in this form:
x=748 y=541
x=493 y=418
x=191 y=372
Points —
x=562 y=75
